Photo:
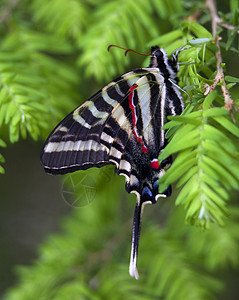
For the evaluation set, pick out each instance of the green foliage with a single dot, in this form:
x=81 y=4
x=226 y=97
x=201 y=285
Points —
x=50 y=53
x=133 y=19
x=207 y=163
x=206 y=137
x=30 y=80
x=36 y=89
x=90 y=261
x=62 y=18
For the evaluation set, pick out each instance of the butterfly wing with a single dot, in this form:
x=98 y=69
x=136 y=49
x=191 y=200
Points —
x=121 y=125
x=78 y=142
x=147 y=102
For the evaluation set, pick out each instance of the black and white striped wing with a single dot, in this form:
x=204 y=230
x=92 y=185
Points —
x=88 y=137
x=121 y=125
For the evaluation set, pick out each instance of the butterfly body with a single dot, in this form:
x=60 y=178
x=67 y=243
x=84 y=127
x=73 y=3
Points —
x=122 y=125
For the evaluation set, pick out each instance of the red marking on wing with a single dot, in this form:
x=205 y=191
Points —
x=154 y=164
x=144 y=149
x=134 y=116
x=140 y=140
x=133 y=87
x=131 y=103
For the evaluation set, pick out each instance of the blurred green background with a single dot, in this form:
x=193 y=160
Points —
x=71 y=234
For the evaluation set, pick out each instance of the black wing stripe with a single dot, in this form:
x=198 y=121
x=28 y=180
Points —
x=133 y=185
x=80 y=119
x=68 y=166
x=124 y=85
x=175 y=104
x=156 y=121
x=93 y=116
x=106 y=102
x=115 y=93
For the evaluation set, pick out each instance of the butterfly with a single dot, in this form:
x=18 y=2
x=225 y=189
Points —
x=122 y=125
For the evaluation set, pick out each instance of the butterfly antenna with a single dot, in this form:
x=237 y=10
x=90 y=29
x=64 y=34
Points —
x=116 y=47
x=127 y=50
x=130 y=50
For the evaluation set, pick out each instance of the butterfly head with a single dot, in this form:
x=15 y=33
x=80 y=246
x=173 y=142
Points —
x=167 y=67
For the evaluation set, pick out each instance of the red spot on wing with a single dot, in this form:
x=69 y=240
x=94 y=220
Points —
x=154 y=164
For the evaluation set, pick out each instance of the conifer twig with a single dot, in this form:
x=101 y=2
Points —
x=211 y=5
x=228 y=26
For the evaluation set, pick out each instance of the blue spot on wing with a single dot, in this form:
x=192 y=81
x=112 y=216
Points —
x=147 y=195
x=156 y=186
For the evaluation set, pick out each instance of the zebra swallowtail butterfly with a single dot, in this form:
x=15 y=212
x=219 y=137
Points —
x=122 y=125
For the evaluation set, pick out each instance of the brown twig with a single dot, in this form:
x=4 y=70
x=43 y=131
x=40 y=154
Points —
x=227 y=26
x=211 y=5
x=7 y=10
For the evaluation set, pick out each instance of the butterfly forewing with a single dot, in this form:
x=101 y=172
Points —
x=76 y=142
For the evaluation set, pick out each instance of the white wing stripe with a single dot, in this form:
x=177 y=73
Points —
x=125 y=165
x=105 y=137
x=120 y=117
x=73 y=146
x=63 y=129
x=109 y=100
x=115 y=153
x=78 y=118
x=95 y=112
x=144 y=96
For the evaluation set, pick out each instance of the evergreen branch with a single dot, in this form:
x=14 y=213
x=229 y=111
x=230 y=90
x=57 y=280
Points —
x=211 y=5
x=136 y=27
x=175 y=269
x=66 y=18
x=216 y=244
x=24 y=91
x=228 y=26
x=167 y=266
x=203 y=166
x=37 y=87
x=195 y=135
